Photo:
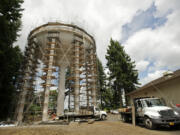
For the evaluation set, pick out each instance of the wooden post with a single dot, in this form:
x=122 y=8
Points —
x=133 y=115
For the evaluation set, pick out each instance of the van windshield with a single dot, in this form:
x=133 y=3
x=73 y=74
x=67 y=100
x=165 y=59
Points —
x=97 y=109
x=154 y=102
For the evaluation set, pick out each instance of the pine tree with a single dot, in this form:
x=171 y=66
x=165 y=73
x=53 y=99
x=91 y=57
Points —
x=123 y=76
x=101 y=83
x=10 y=57
x=10 y=21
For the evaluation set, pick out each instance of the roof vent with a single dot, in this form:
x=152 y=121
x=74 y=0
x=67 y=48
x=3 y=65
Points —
x=168 y=74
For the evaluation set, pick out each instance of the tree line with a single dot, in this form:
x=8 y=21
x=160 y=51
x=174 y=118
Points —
x=10 y=56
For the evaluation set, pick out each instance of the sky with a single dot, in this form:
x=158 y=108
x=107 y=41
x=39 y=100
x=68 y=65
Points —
x=148 y=29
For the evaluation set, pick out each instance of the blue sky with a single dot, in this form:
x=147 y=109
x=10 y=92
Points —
x=152 y=34
x=142 y=20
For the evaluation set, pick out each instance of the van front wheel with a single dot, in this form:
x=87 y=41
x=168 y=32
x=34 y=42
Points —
x=103 y=117
x=149 y=124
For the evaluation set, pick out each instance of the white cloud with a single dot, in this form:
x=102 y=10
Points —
x=159 y=46
x=162 y=45
x=142 y=65
x=152 y=76
x=102 y=19
x=164 y=6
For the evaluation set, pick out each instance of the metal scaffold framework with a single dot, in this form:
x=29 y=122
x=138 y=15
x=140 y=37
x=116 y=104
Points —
x=57 y=48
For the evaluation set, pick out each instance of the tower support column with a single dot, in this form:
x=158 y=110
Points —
x=48 y=81
x=61 y=90
x=76 y=75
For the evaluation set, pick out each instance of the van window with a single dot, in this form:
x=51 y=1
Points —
x=97 y=109
x=139 y=103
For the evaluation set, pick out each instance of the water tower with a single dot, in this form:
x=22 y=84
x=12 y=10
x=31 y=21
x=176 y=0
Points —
x=65 y=46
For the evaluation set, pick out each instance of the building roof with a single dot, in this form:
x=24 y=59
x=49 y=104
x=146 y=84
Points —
x=158 y=81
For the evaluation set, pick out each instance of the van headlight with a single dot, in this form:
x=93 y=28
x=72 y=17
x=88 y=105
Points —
x=176 y=113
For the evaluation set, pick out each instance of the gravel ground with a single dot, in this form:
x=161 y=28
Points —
x=97 y=128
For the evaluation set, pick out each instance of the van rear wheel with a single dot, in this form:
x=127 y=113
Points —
x=124 y=118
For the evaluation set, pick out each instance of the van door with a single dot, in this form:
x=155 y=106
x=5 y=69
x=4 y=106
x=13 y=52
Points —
x=139 y=108
x=96 y=111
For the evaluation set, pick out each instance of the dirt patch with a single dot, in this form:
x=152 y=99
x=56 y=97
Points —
x=97 y=128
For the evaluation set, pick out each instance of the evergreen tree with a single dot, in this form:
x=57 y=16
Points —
x=122 y=76
x=101 y=83
x=9 y=21
x=107 y=98
x=10 y=57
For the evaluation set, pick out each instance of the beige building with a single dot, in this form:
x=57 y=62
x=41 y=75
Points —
x=166 y=87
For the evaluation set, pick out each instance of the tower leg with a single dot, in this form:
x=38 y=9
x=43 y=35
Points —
x=60 y=100
x=76 y=87
x=48 y=82
x=21 y=107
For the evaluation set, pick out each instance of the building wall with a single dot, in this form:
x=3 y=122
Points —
x=169 y=91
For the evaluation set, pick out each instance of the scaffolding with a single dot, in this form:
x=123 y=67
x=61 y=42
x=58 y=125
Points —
x=58 y=46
